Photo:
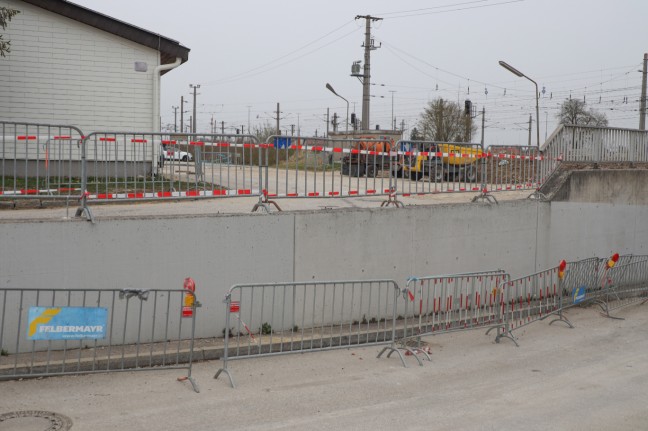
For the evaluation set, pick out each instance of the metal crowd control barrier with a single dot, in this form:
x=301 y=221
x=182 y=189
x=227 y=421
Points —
x=582 y=278
x=305 y=167
x=137 y=166
x=49 y=332
x=623 y=285
x=427 y=167
x=513 y=168
x=449 y=303
x=282 y=318
x=40 y=161
x=532 y=298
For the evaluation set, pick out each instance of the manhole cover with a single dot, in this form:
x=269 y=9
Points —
x=34 y=420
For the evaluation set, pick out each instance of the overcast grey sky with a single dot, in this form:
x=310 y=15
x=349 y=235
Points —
x=247 y=55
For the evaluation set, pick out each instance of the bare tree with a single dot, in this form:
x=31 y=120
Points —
x=5 y=16
x=574 y=111
x=443 y=120
x=264 y=131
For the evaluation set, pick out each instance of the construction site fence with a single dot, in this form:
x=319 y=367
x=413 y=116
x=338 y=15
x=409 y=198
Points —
x=50 y=332
x=283 y=318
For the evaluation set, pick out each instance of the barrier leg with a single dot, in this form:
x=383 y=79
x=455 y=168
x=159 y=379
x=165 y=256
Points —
x=504 y=333
x=226 y=371
x=561 y=318
x=393 y=349
x=392 y=200
x=485 y=196
x=264 y=204
x=192 y=381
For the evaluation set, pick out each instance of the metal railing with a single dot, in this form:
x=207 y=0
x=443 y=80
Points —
x=283 y=318
x=593 y=144
x=49 y=332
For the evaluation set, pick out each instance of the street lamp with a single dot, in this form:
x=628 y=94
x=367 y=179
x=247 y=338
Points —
x=516 y=72
x=328 y=86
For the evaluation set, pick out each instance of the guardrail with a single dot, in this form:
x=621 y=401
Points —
x=594 y=144
x=49 y=332
x=283 y=318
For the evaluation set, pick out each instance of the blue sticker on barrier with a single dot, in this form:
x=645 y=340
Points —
x=282 y=142
x=66 y=323
x=579 y=294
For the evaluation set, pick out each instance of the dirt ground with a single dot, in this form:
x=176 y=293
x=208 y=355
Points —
x=592 y=377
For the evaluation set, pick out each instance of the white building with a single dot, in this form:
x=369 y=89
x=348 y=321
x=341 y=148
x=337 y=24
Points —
x=74 y=66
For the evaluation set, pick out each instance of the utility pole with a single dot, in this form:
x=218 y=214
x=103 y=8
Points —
x=327 y=122
x=483 y=123
x=181 y=114
x=366 y=76
x=530 y=120
x=642 y=109
x=222 y=127
x=393 y=119
x=335 y=122
x=292 y=130
x=195 y=87
x=175 y=119
x=278 y=112
x=249 y=107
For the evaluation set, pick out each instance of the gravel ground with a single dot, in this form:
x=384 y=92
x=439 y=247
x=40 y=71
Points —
x=592 y=377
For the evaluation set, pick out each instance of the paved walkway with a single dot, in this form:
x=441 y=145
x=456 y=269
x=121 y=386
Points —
x=592 y=377
x=242 y=205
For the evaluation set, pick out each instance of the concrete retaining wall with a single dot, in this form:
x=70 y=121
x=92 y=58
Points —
x=219 y=251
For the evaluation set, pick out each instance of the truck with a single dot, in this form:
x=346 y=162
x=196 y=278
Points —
x=441 y=161
x=370 y=156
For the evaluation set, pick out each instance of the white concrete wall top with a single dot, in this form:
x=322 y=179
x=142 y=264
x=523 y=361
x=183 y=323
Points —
x=61 y=71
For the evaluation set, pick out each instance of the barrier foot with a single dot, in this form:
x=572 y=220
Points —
x=537 y=195
x=392 y=200
x=487 y=197
x=265 y=206
x=192 y=381
x=560 y=318
x=85 y=211
x=226 y=371
x=400 y=355
x=606 y=310
x=504 y=334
